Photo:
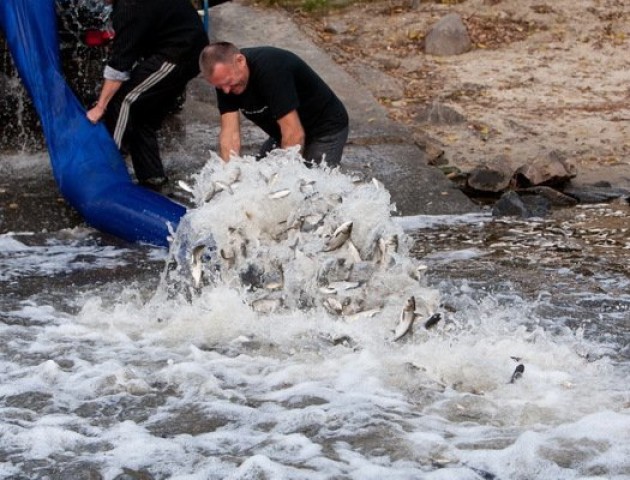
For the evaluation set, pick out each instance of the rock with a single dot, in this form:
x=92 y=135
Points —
x=448 y=37
x=495 y=176
x=555 y=197
x=512 y=205
x=594 y=194
x=439 y=114
x=553 y=170
x=434 y=153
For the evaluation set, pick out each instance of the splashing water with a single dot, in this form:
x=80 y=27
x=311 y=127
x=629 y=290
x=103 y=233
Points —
x=269 y=355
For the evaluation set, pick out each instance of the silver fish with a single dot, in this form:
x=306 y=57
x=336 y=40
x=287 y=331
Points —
x=238 y=242
x=339 y=286
x=274 y=279
x=407 y=316
x=355 y=255
x=229 y=255
x=327 y=290
x=388 y=247
x=362 y=314
x=417 y=272
x=196 y=265
x=280 y=194
x=333 y=305
x=266 y=304
x=212 y=190
x=222 y=186
x=184 y=186
x=270 y=180
x=339 y=237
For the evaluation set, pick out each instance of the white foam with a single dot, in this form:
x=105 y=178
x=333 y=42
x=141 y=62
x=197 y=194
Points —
x=196 y=384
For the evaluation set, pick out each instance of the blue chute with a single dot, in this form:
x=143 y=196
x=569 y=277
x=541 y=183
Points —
x=86 y=164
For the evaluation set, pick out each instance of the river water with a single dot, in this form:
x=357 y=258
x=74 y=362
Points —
x=254 y=350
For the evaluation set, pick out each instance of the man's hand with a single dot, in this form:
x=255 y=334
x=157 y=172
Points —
x=109 y=89
x=95 y=113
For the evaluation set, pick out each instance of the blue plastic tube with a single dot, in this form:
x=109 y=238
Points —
x=86 y=164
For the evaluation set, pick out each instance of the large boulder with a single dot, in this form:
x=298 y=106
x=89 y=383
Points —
x=448 y=37
x=555 y=169
x=494 y=176
x=511 y=204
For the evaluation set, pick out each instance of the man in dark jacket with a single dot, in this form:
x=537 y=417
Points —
x=154 y=55
x=280 y=93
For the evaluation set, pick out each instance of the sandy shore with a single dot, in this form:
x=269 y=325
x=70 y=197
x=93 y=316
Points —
x=541 y=77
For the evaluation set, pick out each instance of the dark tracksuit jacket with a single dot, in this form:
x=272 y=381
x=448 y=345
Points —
x=155 y=53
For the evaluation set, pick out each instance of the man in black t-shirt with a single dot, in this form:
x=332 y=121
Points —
x=280 y=93
x=155 y=54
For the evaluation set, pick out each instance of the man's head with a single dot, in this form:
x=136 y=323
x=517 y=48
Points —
x=225 y=67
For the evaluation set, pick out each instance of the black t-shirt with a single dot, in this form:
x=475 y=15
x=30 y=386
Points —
x=279 y=82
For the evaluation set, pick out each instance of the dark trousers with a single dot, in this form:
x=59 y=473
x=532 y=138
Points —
x=136 y=112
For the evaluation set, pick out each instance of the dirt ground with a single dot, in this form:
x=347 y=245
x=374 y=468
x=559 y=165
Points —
x=543 y=76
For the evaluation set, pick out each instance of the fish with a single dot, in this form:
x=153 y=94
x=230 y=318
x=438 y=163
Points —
x=335 y=287
x=407 y=317
x=280 y=194
x=355 y=255
x=339 y=237
x=266 y=304
x=185 y=187
x=418 y=272
x=212 y=190
x=342 y=285
x=238 y=242
x=274 y=279
x=518 y=373
x=432 y=321
x=388 y=247
x=229 y=255
x=196 y=265
x=362 y=314
x=271 y=179
x=333 y=305
x=222 y=186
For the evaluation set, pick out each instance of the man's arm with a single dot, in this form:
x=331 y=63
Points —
x=110 y=87
x=291 y=130
x=230 y=135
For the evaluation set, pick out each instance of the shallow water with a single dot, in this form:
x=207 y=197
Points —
x=115 y=365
